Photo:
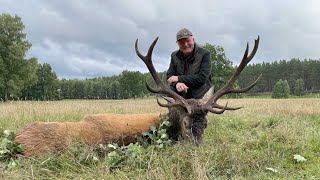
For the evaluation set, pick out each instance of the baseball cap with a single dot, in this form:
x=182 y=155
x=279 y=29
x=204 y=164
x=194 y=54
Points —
x=183 y=33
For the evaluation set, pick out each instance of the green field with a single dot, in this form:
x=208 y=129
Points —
x=258 y=141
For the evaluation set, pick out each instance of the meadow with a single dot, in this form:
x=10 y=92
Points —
x=258 y=141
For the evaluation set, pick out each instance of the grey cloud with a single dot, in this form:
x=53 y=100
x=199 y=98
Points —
x=96 y=38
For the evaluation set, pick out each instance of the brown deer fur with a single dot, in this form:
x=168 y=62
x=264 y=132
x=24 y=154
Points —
x=43 y=137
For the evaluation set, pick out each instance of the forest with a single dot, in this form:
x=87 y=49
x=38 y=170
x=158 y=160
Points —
x=308 y=70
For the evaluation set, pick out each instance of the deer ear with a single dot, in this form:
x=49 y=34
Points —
x=208 y=95
x=169 y=99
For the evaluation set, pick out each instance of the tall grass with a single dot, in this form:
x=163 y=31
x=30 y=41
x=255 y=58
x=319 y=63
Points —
x=242 y=144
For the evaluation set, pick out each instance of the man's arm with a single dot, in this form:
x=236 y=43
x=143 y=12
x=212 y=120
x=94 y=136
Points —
x=172 y=77
x=203 y=74
x=172 y=71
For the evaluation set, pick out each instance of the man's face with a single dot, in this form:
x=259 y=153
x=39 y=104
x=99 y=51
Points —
x=186 y=45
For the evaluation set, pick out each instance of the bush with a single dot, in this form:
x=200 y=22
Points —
x=281 y=90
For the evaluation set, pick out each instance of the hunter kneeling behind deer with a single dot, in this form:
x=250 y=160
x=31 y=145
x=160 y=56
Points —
x=188 y=117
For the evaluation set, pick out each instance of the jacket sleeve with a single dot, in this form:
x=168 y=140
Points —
x=195 y=80
x=172 y=71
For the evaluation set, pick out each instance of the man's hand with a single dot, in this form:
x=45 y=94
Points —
x=181 y=87
x=172 y=79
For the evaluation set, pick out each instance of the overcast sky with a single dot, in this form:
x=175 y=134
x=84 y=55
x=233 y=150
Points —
x=85 y=39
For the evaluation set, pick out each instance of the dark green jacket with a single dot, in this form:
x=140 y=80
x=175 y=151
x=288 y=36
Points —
x=194 y=71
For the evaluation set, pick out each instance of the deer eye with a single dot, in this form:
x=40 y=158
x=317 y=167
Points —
x=187 y=122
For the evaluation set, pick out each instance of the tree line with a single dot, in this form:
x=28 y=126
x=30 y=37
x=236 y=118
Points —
x=307 y=71
x=26 y=79
x=129 y=84
x=299 y=76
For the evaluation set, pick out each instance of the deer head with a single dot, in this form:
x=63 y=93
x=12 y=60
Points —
x=188 y=117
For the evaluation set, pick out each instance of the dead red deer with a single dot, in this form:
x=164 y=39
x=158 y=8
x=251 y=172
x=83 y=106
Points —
x=188 y=117
x=44 y=137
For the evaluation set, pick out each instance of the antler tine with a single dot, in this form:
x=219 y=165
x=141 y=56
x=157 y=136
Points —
x=246 y=59
x=228 y=87
x=148 y=58
x=210 y=109
x=215 y=105
x=227 y=108
x=161 y=87
x=138 y=52
x=246 y=88
x=255 y=48
x=150 y=88
x=169 y=105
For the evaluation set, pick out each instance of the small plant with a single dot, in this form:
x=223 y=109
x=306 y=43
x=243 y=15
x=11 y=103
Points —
x=115 y=156
x=299 y=158
x=119 y=154
x=159 y=137
x=9 y=150
x=86 y=155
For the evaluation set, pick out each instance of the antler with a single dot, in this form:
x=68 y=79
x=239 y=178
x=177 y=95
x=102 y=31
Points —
x=228 y=88
x=163 y=89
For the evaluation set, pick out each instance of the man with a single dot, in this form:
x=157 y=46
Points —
x=189 y=73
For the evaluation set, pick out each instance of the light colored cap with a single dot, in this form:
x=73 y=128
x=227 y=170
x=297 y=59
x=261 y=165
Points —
x=183 y=33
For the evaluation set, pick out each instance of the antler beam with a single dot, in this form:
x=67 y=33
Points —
x=162 y=89
x=228 y=88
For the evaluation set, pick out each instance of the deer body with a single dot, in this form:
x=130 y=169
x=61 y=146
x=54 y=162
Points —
x=43 y=137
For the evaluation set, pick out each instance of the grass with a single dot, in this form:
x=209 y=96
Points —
x=240 y=144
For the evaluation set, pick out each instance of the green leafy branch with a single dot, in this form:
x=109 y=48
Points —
x=9 y=150
x=159 y=137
